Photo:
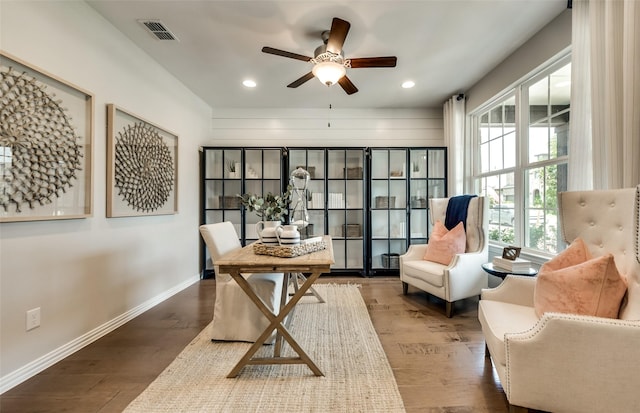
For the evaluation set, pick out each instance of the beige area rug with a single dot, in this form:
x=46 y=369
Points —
x=337 y=335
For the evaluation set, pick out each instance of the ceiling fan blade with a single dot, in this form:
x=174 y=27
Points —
x=337 y=35
x=300 y=81
x=283 y=53
x=387 y=61
x=347 y=85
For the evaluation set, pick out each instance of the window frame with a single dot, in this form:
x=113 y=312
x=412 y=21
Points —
x=519 y=91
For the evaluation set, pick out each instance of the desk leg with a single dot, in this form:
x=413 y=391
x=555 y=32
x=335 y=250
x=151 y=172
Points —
x=299 y=276
x=276 y=323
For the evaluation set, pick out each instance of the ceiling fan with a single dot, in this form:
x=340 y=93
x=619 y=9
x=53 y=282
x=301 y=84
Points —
x=330 y=66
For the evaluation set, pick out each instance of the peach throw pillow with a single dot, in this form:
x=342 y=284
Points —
x=573 y=282
x=444 y=244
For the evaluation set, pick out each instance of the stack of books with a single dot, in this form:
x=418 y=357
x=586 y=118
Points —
x=518 y=265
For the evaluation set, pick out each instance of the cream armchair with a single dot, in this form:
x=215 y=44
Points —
x=464 y=276
x=570 y=363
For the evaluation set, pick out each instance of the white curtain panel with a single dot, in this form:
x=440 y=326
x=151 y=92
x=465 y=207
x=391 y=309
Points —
x=580 y=176
x=614 y=49
x=454 y=127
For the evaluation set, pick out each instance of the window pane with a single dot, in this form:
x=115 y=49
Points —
x=560 y=89
x=500 y=191
x=510 y=150
x=484 y=157
x=495 y=154
x=538 y=100
x=539 y=143
x=560 y=135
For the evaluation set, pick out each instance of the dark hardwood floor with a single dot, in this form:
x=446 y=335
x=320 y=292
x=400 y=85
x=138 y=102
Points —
x=438 y=362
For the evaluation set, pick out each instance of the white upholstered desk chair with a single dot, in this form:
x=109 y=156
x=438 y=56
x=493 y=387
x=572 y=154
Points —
x=235 y=316
x=463 y=277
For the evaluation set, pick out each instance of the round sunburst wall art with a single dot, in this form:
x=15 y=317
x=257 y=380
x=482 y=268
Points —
x=144 y=171
x=40 y=151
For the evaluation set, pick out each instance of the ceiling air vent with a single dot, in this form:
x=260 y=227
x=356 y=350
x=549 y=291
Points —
x=158 y=29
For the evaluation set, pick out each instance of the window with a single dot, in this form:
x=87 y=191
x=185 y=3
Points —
x=521 y=159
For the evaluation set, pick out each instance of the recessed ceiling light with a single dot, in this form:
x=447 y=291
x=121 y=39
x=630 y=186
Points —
x=408 y=84
x=249 y=83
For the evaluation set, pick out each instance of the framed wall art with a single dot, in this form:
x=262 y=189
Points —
x=46 y=138
x=142 y=166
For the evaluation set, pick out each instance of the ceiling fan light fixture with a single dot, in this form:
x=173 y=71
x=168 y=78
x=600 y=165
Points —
x=329 y=72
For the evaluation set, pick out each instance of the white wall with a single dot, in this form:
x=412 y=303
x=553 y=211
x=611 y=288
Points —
x=87 y=274
x=309 y=127
x=553 y=39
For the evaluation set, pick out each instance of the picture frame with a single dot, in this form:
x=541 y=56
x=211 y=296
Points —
x=46 y=159
x=142 y=166
x=511 y=253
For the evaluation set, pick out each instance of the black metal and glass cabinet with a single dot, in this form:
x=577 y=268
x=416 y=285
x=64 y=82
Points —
x=228 y=172
x=388 y=208
x=427 y=179
x=336 y=201
x=372 y=201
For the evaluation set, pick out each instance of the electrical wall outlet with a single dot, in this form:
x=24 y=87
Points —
x=33 y=318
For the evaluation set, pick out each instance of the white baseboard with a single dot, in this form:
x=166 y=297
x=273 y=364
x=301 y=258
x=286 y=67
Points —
x=16 y=377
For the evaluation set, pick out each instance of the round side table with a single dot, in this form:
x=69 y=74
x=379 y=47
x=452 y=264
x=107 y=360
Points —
x=502 y=272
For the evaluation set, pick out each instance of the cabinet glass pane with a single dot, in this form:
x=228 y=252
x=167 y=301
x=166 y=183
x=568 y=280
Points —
x=335 y=196
x=397 y=247
x=354 y=224
x=379 y=164
x=211 y=217
x=436 y=188
x=336 y=164
x=397 y=163
x=418 y=193
x=232 y=164
x=436 y=164
x=379 y=224
x=297 y=159
x=316 y=195
x=316 y=223
x=378 y=248
x=418 y=166
x=355 y=254
x=231 y=191
x=398 y=221
x=212 y=191
x=336 y=224
x=354 y=194
x=355 y=165
x=253 y=165
x=315 y=163
x=379 y=194
x=213 y=165
x=419 y=224
x=339 y=254
x=398 y=194
x=271 y=165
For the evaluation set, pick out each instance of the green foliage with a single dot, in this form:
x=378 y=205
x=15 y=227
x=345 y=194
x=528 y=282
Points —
x=270 y=207
x=504 y=235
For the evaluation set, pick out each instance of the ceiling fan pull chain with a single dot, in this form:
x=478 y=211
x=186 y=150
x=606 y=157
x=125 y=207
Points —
x=329 y=117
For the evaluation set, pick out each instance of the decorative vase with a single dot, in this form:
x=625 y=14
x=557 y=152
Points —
x=288 y=235
x=267 y=232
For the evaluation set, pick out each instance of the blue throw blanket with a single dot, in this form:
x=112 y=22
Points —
x=457 y=211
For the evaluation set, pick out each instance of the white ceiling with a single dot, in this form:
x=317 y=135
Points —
x=444 y=46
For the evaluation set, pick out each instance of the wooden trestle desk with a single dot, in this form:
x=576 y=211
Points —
x=244 y=260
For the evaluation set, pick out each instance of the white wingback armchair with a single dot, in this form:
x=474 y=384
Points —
x=464 y=276
x=572 y=363
x=235 y=316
